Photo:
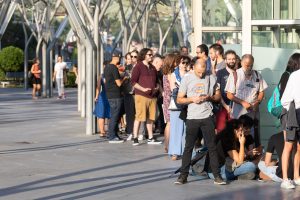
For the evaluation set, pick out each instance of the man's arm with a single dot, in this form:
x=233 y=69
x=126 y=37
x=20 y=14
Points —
x=182 y=99
x=120 y=82
x=233 y=98
x=138 y=87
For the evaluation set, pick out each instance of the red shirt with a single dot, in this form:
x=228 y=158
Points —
x=145 y=77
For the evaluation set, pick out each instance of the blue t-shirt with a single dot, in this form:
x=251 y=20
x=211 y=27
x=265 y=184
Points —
x=222 y=77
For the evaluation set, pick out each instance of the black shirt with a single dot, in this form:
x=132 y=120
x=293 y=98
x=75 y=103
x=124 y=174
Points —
x=111 y=74
x=276 y=142
x=225 y=144
x=222 y=77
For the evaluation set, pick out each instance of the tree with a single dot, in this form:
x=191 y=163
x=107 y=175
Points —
x=11 y=59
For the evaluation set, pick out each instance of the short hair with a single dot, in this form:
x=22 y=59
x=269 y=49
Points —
x=184 y=47
x=142 y=54
x=229 y=52
x=249 y=56
x=203 y=48
x=127 y=54
x=134 y=51
x=218 y=48
x=59 y=56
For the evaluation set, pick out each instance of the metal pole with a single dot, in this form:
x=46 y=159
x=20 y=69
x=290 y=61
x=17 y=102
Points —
x=79 y=66
x=44 y=70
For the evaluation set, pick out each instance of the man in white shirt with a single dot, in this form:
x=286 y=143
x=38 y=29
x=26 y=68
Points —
x=58 y=76
x=246 y=92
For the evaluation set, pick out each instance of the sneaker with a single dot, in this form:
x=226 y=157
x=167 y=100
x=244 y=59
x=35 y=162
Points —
x=297 y=181
x=182 y=179
x=116 y=140
x=153 y=141
x=141 y=138
x=247 y=176
x=287 y=184
x=219 y=181
x=129 y=137
x=135 y=142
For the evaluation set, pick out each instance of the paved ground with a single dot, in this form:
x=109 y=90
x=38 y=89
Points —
x=45 y=154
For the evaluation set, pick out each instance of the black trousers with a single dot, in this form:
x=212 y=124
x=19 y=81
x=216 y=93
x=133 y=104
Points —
x=160 y=121
x=207 y=127
x=130 y=112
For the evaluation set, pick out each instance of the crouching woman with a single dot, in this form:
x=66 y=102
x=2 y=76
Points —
x=234 y=146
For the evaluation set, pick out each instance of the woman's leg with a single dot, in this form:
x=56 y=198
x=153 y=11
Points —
x=245 y=168
x=296 y=164
x=285 y=159
x=33 y=90
x=167 y=136
x=101 y=126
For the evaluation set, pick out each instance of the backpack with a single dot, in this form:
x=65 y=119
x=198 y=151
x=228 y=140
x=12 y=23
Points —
x=30 y=75
x=274 y=105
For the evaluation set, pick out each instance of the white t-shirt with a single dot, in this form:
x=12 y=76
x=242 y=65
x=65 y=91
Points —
x=292 y=92
x=59 y=69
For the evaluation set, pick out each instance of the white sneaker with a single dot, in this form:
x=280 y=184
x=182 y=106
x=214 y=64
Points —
x=141 y=138
x=287 y=184
x=297 y=182
x=129 y=137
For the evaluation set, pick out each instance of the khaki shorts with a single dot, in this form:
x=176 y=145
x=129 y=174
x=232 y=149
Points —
x=145 y=108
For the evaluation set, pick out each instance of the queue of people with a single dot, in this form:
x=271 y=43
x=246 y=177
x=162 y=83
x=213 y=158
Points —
x=209 y=101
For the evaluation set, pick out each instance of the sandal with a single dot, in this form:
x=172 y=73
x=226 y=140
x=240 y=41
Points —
x=174 y=157
x=102 y=135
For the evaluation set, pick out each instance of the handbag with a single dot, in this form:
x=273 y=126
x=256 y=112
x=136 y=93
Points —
x=30 y=75
x=172 y=105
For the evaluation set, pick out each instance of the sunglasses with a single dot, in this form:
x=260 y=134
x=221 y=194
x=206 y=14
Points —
x=149 y=54
x=133 y=56
x=185 y=63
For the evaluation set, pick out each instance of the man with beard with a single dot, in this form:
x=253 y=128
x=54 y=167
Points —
x=246 y=92
x=223 y=113
x=216 y=55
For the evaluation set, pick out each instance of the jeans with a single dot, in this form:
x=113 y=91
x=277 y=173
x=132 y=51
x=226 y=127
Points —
x=130 y=112
x=243 y=169
x=60 y=86
x=115 y=112
x=270 y=171
x=207 y=127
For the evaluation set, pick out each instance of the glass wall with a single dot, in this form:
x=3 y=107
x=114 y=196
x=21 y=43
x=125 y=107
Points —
x=222 y=13
x=222 y=37
x=262 y=9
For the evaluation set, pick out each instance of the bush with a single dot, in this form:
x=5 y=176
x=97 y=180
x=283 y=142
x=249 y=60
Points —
x=71 y=77
x=2 y=75
x=11 y=59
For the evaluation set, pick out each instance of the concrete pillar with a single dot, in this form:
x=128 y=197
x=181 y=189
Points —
x=246 y=27
x=197 y=25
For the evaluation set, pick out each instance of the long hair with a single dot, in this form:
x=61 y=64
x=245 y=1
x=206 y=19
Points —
x=169 y=63
x=293 y=63
x=142 y=54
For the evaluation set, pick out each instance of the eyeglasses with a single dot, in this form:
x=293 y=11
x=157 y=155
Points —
x=133 y=56
x=150 y=54
x=184 y=63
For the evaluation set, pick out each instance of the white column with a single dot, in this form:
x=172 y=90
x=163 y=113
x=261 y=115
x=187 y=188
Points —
x=246 y=28
x=197 y=25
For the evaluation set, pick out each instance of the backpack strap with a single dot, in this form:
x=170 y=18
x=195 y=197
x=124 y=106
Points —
x=235 y=78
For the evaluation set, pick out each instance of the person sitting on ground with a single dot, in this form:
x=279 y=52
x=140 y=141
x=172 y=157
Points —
x=271 y=169
x=234 y=150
